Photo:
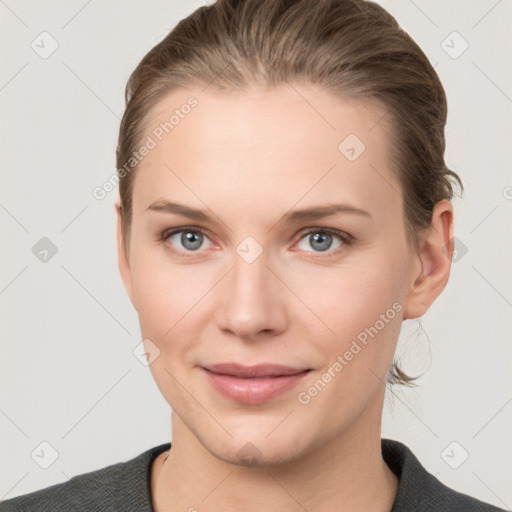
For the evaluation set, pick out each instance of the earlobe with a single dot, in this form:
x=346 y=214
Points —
x=435 y=258
x=122 y=257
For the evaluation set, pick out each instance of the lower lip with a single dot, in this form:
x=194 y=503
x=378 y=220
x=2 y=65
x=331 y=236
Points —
x=253 y=391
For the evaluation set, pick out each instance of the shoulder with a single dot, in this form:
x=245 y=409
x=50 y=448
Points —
x=420 y=490
x=121 y=486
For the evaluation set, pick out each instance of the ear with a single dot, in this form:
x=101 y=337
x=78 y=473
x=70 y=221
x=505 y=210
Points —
x=435 y=260
x=122 y=257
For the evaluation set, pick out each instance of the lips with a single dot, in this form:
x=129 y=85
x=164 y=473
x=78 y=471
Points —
x=253 y=384
x=248 y=372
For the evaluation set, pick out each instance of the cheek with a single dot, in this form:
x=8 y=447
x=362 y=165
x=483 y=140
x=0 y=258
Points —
x=366 y=317
x=351 y=298
x=171 y=299
x=169 y=305
x=362 y=307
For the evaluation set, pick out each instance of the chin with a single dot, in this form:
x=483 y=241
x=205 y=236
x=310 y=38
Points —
x=257 y=448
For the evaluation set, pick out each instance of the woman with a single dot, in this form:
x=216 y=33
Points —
x=284 y=206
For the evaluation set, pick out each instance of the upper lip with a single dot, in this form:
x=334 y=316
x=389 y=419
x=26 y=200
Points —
x=259 y=370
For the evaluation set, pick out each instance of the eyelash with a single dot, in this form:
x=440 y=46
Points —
x=344 y=237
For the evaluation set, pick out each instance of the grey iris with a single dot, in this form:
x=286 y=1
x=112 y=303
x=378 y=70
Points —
x=191 y=237
x=324 y=239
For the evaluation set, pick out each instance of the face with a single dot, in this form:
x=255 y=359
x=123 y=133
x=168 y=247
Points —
x=250 y=281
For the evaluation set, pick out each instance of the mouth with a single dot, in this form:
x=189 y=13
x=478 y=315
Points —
x=253 y=384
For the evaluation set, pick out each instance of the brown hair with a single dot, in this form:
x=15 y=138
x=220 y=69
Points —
x=352 y=48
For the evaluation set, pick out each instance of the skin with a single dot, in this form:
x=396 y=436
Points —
x=248 y=158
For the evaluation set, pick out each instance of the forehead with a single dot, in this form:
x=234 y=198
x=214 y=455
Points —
x=266 y=145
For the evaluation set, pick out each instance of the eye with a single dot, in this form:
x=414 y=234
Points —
x=186 y=239
x=321 y=240
x=192 y=239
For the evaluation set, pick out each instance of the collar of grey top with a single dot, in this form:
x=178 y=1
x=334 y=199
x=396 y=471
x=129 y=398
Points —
x=126 y=486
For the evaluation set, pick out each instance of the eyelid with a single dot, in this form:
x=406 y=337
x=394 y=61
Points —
x=172 y=231
x=332 y=231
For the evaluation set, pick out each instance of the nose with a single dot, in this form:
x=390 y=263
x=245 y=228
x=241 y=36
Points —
x=252 y=300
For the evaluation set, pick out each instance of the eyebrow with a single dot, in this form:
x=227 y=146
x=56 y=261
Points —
x=294 y=216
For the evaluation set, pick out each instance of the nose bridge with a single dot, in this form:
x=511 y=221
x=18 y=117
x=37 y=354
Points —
x=250 y=278
x=251 y=293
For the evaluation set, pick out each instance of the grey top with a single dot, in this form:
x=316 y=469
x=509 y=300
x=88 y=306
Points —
x=125 y=486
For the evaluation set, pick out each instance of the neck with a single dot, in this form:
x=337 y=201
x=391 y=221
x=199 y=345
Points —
x=345 y=473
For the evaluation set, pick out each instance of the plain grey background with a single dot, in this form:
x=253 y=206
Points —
x=69 y=376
